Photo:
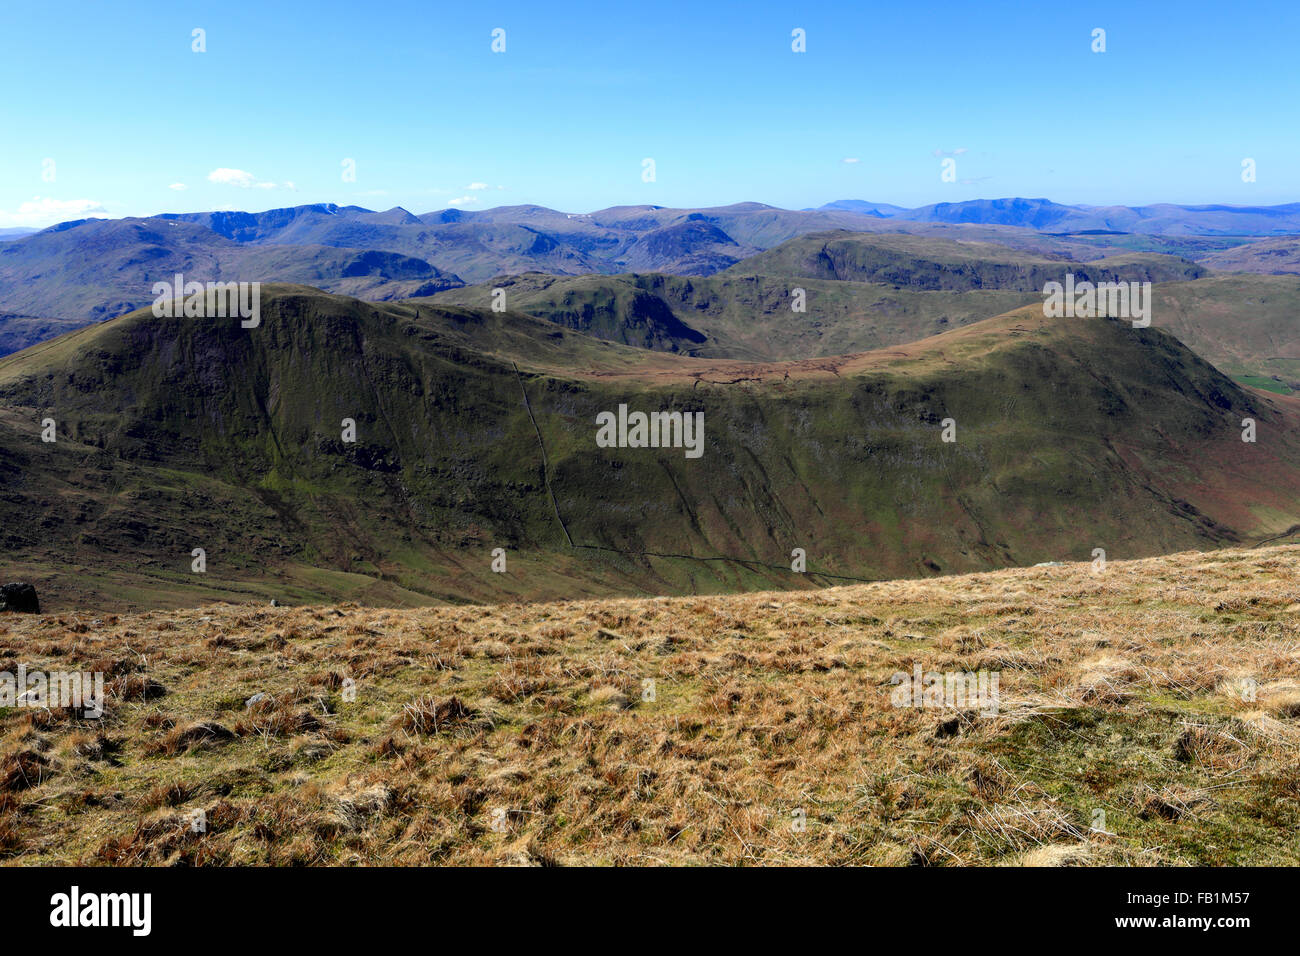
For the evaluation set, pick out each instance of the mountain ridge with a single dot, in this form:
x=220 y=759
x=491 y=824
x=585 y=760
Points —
x=183 y=433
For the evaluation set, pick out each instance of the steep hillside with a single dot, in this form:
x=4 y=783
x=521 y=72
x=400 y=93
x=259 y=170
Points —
x=924 y=262
x=741 y=316
x=177 y=434
x=693 y=247
x=1245 y=325
x=1242 y=324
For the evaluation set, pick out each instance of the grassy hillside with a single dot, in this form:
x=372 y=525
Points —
x=741 y=316
x=184 y=433
x=1268 y=256
x=860 y=292
x=1245 y=325
x=1145 y=715
x=927 y=262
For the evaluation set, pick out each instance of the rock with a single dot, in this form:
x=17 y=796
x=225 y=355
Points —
x=255 y=699
x=274 y=603
x=19 y=598
x=609 y=635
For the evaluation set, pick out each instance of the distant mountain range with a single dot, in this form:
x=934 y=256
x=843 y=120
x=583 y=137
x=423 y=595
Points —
x=1044 y=215
x=100 y=268
x=89 y=270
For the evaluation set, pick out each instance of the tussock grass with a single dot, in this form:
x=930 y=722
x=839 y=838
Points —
x=1149 y=714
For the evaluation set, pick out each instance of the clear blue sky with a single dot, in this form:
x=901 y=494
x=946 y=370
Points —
x=112 y=92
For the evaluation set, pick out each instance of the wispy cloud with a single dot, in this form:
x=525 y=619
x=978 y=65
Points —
x=462 y=200
x=951 y=152
x=39 y=212
x=225 y=176
x=179 y=187
x=850 y=160
x=477 y=186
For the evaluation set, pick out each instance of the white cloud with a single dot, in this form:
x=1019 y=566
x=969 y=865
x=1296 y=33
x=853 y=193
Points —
x=951 y=152
x=851 y=159
x=40 y=212
x=179 y=187
x=477 y=186
x=462 y=200
x=244 y=180
x=232 y=177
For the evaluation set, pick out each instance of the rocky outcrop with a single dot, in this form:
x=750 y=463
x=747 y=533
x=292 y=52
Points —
x=20 y=598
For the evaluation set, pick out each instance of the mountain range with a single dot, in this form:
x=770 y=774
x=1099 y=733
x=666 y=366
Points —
x=100 y=268
x=88 y=270
x=1166 y=219
x=828 y=352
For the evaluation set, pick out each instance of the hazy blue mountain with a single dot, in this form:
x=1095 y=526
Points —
x=96 y=269
x=1043 y=214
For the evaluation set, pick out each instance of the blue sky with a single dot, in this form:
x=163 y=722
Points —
x=113 y=94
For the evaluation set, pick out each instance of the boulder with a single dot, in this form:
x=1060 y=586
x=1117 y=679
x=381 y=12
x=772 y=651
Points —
x=20 y=598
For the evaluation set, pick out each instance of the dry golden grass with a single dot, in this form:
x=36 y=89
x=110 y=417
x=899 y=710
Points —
x=525 y=734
